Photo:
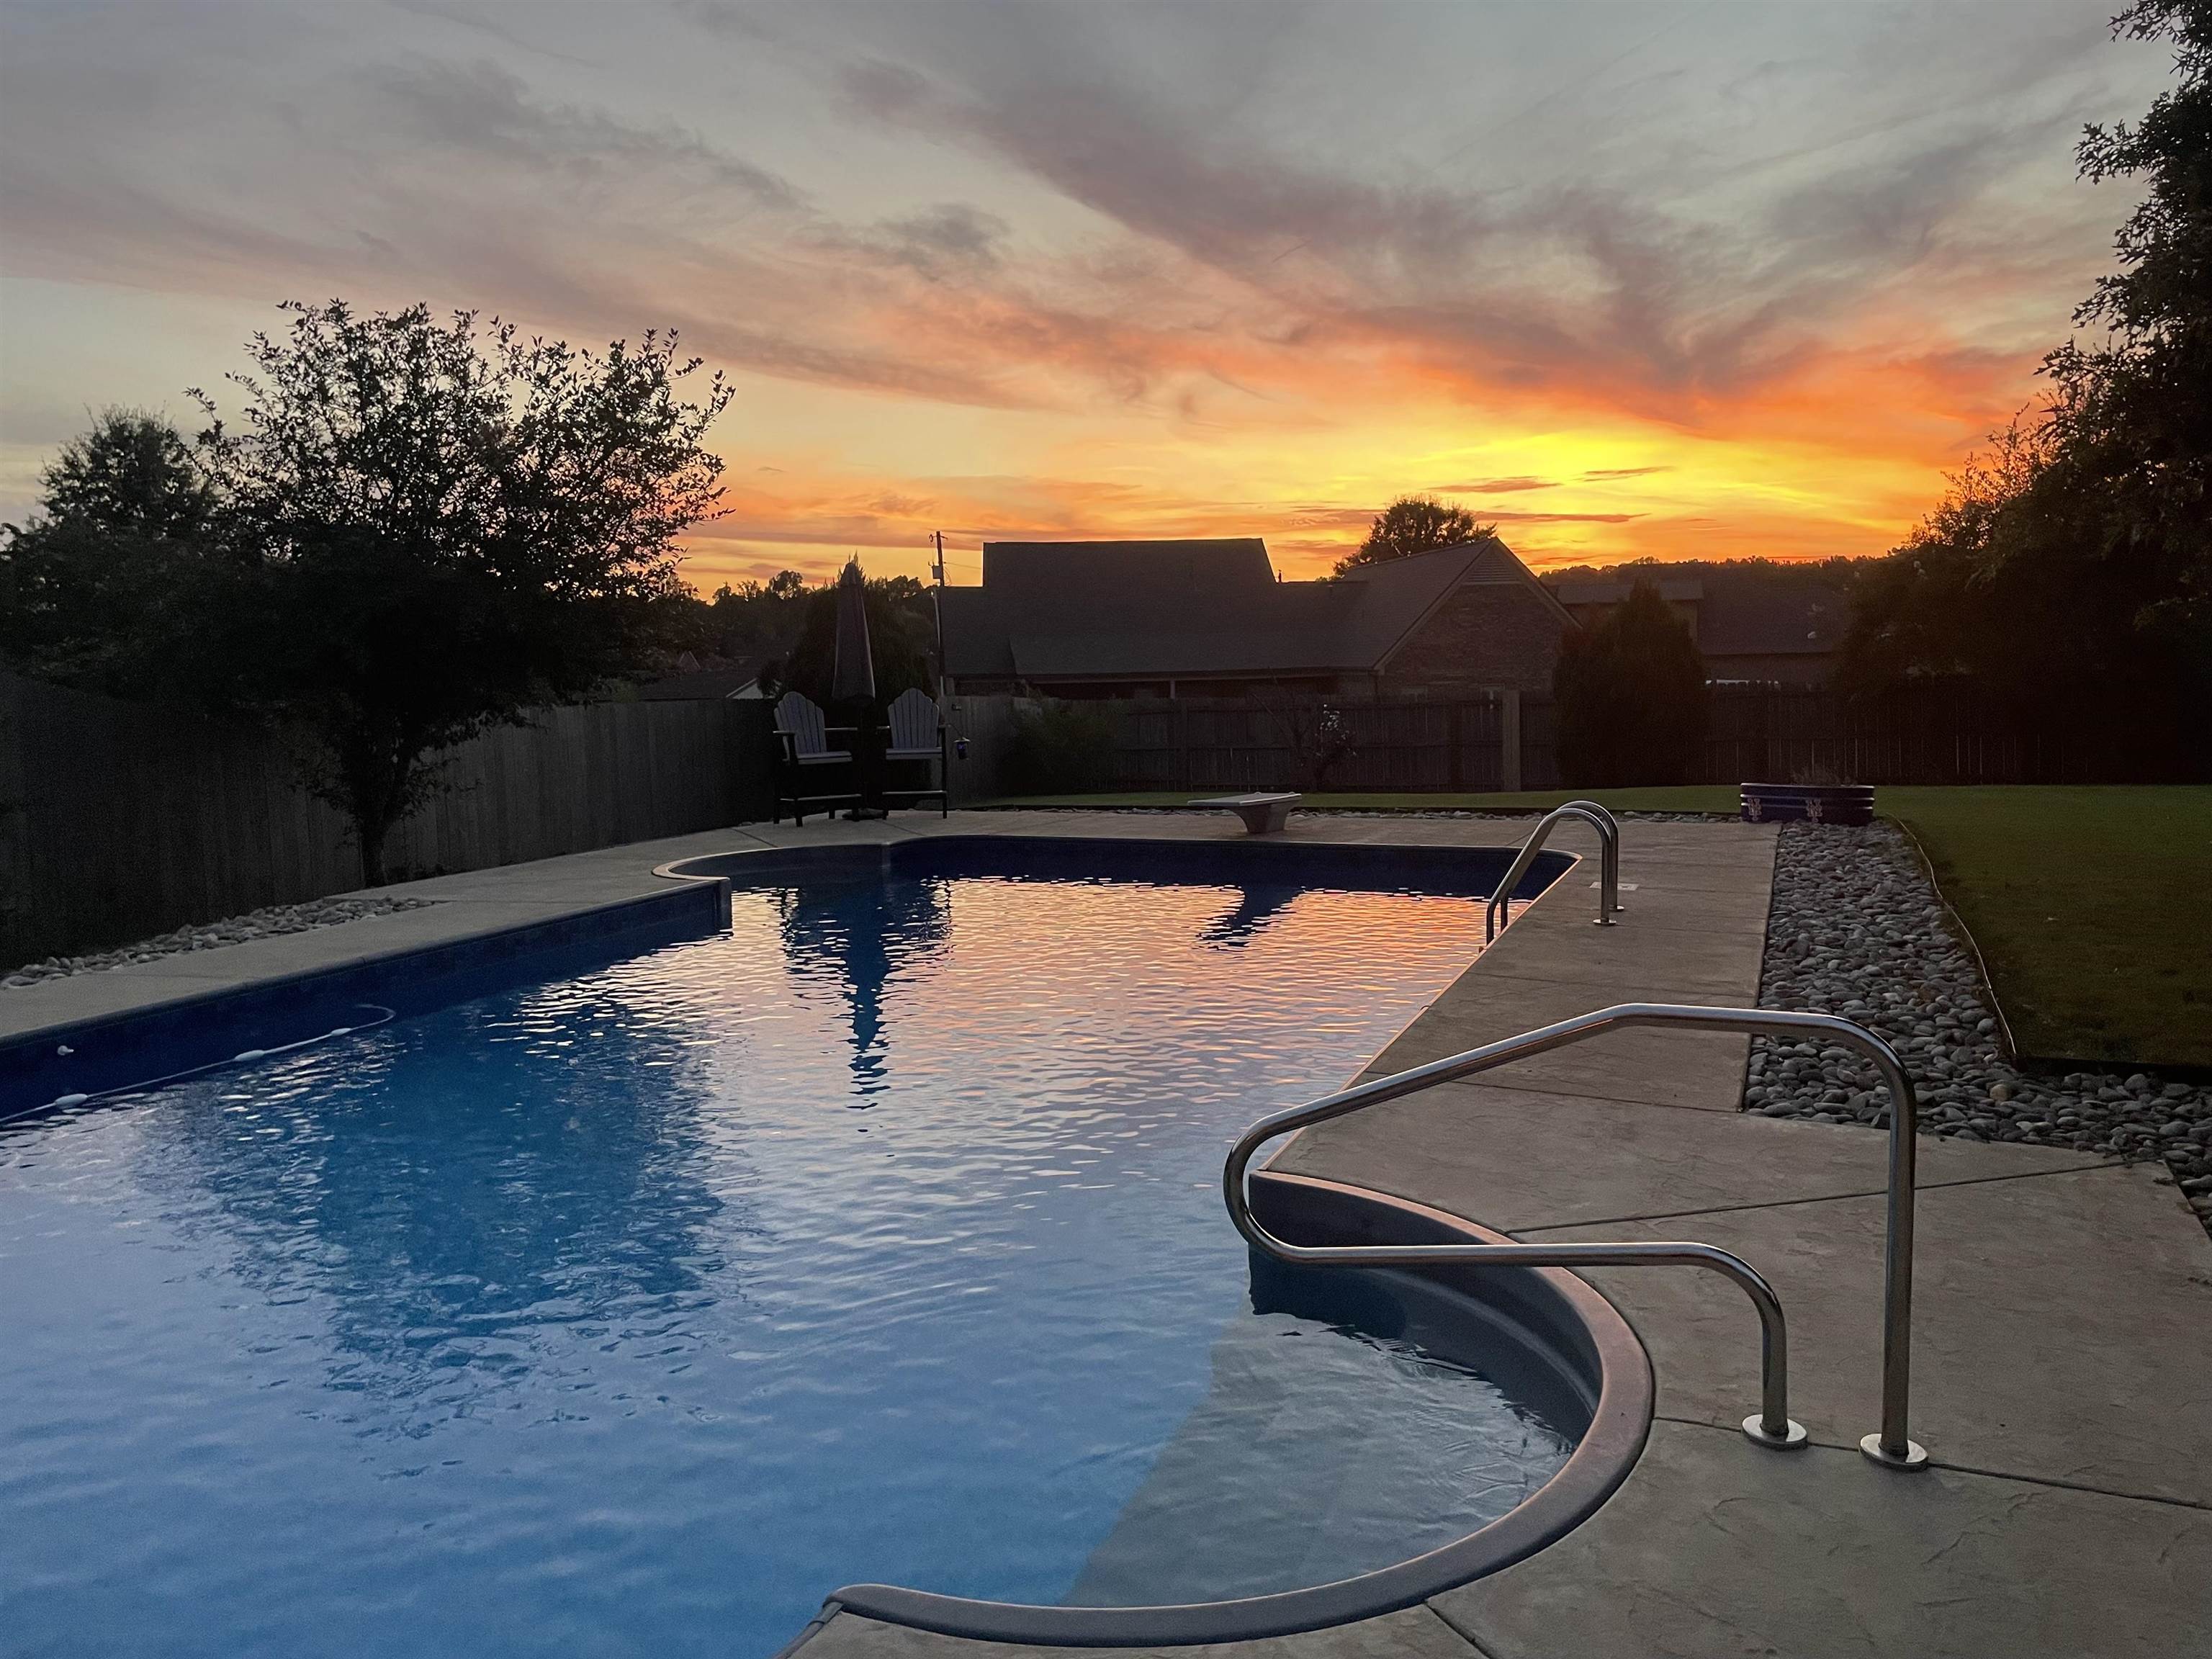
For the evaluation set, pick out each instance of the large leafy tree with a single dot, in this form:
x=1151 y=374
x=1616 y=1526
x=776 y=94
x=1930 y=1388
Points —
x=1415 y=523
x=750 y=618
x=2132 y=417
x=2070 y=568
x=94 y=591
x=1631 y=698
x=427 y=527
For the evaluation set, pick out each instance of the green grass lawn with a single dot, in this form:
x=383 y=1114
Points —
x=2093 y=906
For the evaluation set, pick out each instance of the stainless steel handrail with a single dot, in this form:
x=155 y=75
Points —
x=1609 y=847
x=1608 y=833
x=1892 y=1446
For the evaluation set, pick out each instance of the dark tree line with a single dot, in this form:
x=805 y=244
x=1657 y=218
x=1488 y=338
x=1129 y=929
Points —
x=788 y=629
x=2070 y=565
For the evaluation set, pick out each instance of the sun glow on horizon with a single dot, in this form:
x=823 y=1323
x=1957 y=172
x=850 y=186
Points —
x=1747 y=290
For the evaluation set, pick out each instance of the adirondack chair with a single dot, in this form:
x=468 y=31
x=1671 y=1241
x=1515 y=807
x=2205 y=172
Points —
x=918 y=735
x=803 y=751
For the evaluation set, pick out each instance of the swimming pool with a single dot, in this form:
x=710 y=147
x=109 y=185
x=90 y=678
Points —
x=877 y=1237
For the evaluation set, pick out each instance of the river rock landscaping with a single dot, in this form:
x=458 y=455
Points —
x=206 y=936
x=1857 y=929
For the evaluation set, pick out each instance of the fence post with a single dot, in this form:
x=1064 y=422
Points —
x=1509 y=739
x=1455 y=774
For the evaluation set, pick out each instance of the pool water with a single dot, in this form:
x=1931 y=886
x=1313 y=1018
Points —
x=878 y=1239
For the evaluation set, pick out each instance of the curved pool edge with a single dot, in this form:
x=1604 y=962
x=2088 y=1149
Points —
x=1562 y=1313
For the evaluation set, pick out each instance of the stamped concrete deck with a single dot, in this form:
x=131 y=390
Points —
x=2063 y=1352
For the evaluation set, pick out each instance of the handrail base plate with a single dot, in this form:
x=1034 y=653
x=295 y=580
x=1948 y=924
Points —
x=1915 y=1457
x=1790 y=1440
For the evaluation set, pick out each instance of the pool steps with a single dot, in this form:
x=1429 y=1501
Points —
x=1892 y=1446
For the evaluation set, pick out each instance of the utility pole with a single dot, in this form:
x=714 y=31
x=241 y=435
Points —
x=937 y=604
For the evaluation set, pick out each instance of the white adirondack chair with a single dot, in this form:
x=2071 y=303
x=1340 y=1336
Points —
x=918 y=735
x=802 y=737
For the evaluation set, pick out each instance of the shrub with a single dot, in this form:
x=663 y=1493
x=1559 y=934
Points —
x=1315 y=737
x=1631 y=698
x=1059 y=749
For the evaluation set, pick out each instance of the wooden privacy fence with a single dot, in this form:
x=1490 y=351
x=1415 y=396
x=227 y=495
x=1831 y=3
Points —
x=1222 y=744
x=1934 y=734
x=982 y=727
x=120 y=820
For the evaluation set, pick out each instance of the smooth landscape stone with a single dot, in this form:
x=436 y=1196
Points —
x=276 y=919
x=1856 y=929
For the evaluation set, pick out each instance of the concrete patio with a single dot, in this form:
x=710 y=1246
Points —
x=2062 y=1351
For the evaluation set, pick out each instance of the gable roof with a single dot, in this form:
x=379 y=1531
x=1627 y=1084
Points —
x=1767 y=620
x=1122 y=611
x=727 y=678
x=1753 y=610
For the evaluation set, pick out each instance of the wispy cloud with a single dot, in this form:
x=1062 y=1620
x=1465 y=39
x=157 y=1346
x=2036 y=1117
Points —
x=1179 y=264
x=1496 y=486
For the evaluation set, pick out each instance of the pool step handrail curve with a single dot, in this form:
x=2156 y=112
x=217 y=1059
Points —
x=1892 y=1446
x=1608 y=849
x=1609 y=887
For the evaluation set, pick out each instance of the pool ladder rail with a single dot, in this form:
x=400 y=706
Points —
x=1771 y=1425
x=1496 y=913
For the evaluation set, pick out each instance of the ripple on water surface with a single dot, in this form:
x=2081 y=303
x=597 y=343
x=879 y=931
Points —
x=880 y=1238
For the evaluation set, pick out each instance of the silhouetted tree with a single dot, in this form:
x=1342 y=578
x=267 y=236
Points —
x=1059 y=749
x=94 y=589
x=1312 y=731
x=2133 y=417
x=742 y=619
x=2071 y=564
x=902 y=633
x=1415 y=523
x=429 y=528
x=1631 y=698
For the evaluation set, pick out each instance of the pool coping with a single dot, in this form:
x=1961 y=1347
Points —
x=93 y=1056
x=52 y=1061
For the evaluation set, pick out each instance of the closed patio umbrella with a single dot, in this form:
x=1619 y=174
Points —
x=852 y=670
x=852 y=687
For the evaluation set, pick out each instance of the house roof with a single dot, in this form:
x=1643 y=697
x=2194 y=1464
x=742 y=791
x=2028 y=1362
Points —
x=1673 y=589
x=727 y=678
x=1741 y=611
x=1759 y=619
x=1191 y=609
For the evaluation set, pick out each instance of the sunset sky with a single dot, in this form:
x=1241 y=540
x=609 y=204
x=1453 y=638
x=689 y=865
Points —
x=1711 y=280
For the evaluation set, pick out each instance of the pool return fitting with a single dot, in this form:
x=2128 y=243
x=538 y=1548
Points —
x=1494 y=913
x=1891 y=1447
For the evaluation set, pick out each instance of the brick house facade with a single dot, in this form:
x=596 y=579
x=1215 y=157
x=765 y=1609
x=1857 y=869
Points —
x=1487 y=635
